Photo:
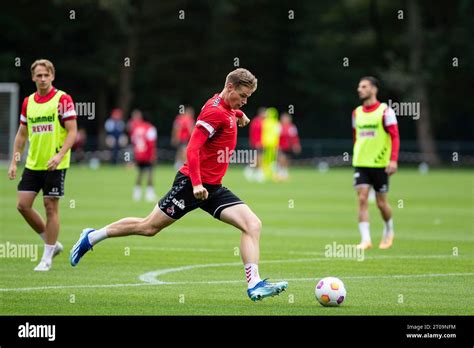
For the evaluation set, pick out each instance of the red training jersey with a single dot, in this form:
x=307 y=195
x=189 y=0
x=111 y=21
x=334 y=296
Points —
x=184 y=124
x=143 y=136
x=255 y=132
x=212 y=142
x=288 y=137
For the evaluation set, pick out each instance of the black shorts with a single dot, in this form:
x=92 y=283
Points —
x=51 y=182
x=375 y=177
x=143 y=165
x=180 y=199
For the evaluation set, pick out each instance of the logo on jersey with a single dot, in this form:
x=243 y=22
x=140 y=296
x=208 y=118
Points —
x=179 y=204
x=217 y=101
x=42 y=128
x=367 y=134
x=41 y=119
x=231 y=122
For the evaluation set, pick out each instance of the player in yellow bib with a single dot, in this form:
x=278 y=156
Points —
x=376 y=145
x=270 y=138
x=48 y=121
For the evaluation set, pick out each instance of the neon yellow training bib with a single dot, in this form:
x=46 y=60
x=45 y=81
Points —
x=373 y=145
x=45 y=133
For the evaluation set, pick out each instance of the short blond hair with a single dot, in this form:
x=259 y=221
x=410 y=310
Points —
x=242 y=77
x=44 y=62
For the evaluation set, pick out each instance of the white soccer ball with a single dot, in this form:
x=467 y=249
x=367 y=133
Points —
x=330 y=292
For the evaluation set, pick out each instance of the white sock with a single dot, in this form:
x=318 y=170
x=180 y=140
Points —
x=48 y=253
x=150 y=190
x=388 y=229
x=96 y=236
x=251 y=274
x=364 y=228
x=137 y=192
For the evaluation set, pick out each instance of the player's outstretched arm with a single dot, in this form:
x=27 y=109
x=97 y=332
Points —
x=18 y=147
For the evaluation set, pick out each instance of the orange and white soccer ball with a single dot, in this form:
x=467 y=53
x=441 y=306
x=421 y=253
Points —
x=330 y=292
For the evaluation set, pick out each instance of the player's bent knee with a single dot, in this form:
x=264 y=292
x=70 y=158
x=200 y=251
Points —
x=22 y=208
x=254 y=227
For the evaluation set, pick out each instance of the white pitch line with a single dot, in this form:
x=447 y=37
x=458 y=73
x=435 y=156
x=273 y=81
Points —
x=150 y=277
x=211 y=282
x=394 y=276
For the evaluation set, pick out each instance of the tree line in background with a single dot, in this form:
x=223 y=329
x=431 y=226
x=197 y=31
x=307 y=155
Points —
x=158 y=55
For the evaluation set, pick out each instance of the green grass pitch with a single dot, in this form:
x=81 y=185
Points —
x=429 y=271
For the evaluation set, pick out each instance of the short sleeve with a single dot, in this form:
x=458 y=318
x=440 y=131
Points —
x=151 y=134
x=24 y=105
x=209 y=121
x=389 y=117
x=66 y=108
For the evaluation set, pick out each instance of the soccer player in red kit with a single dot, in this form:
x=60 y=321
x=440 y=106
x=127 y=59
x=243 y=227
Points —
x=143 y=137
x=198 y=185
x=289 y=144
x=182 y=129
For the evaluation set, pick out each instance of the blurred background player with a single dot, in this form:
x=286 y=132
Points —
x=116 y=138
x=376 y=145
x=79 y=144
x=143 y=136
x=48 y=121
x=182 y=128
x=270 y=139
x=255 y=142
x=289 y=144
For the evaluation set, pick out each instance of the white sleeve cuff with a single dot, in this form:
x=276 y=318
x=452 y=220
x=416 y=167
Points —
x=390 y=117
x=208 y=127
x=69 y=114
